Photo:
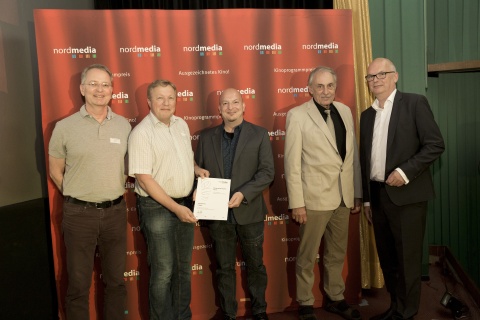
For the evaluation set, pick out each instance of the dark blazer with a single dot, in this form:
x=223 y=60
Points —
x=252 y=169
x=414 y=142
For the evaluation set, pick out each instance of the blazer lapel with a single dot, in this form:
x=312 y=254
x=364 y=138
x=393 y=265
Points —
x=392 y=126
x=343 y=116
x=369 y=124
x=217 y=148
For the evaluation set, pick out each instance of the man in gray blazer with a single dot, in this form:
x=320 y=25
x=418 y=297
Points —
x=399 y=140
x=322 y=171
x=240 y=151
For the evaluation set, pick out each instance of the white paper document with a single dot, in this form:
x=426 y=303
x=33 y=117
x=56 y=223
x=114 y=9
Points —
x=211 y=201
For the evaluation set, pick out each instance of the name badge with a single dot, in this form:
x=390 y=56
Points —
x=115 y=140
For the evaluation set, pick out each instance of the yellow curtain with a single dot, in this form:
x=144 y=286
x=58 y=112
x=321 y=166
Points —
x=362 y=47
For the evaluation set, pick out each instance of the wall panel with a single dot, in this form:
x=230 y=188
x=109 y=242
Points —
x=452 y=34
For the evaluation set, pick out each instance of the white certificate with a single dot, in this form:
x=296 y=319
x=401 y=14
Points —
x=211 y=201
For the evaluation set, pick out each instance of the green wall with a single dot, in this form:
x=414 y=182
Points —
x=450 y=29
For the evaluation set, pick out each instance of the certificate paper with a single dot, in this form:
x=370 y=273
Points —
x=212 y=198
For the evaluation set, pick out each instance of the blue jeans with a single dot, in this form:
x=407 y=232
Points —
x=169 y=246
x=225 y=237
x=84 y=228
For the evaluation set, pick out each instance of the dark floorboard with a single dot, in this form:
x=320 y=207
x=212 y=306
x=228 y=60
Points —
x=27 y=285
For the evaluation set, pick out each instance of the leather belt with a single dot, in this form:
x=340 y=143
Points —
x=377 y=183
x=177 y=200
x=98 y=205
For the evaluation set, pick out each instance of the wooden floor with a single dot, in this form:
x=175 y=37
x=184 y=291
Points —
x=27 y=280
x=376 y=301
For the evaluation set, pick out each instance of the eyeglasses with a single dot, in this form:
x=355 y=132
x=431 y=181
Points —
x=380 y=75
x=98 y=85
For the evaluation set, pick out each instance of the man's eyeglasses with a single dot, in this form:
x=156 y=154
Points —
x=98 y=85
x=380 y=75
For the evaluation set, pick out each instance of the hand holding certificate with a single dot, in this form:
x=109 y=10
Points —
x=212 y=198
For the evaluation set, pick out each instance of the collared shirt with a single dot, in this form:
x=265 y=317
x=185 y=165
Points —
x=380 y=137
x=340 y=130
x=229 y=145
x=94 y=155
x=164 y=152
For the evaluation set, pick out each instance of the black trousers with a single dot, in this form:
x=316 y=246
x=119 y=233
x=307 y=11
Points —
x=399 y=232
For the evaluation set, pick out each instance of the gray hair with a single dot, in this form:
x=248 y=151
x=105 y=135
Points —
x=95 y=66
x=321 y=69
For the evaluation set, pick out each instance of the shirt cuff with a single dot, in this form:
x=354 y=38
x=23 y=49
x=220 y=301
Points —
x=403 y=175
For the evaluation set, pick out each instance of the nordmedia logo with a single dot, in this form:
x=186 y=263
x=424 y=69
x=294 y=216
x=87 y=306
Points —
x=130 y=186
x=185 y=96
x=296 y=92
x=120 y=97
x=77 y=53
x=152 y=51
x=277 y=220
x=273 y=48
x=277 y=135
x=242 y=264
x=197 y=269
x=322 y=48
x=132 y=275
x=247 y=93
x=213 y=50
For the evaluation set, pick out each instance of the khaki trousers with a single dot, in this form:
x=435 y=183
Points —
x=333 y=227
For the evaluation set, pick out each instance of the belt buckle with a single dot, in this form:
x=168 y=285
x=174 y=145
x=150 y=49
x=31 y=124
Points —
x=103 y=205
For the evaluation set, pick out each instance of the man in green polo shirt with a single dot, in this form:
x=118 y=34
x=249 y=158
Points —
x=86 y=159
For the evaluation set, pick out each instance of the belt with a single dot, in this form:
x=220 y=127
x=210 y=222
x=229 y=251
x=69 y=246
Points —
x=378 y=184
x=177 y=200
x=98 y=205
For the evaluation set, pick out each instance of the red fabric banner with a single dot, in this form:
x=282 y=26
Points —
x=266 y=54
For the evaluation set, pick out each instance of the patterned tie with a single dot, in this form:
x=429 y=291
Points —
x=330 y=124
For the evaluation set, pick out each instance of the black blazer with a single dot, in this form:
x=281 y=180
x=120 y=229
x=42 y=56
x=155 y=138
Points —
x=252 y=170
x=414 y=142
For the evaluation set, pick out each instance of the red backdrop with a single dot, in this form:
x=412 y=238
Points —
x=267 y=54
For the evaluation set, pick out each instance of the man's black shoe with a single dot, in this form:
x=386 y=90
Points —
x=343 y=309
x=306 y=313
x=260 y=316
x=398 y=316
x=387 y=315
x=225 y=317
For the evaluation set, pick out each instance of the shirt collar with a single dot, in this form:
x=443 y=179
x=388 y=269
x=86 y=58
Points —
x=391 y=97
x=322 y=108
x=84 y=113
x=236 y=129
x=155 y=120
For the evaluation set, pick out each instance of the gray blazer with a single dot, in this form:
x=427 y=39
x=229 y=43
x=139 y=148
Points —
x=252 y=170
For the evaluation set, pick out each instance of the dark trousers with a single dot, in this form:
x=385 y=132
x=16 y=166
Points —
x=85 y=227
x=170 y=245
x=399 y=232
x=225 y=236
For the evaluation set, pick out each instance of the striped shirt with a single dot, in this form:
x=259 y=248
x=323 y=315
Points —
x=164 y=152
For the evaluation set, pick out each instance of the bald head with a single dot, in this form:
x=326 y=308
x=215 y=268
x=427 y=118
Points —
x=231 y=107
x=383 y=78
x=386 y=62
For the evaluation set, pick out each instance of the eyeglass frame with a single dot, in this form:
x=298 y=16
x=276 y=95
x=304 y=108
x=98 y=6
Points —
x=98 y=85
x=372 y=76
